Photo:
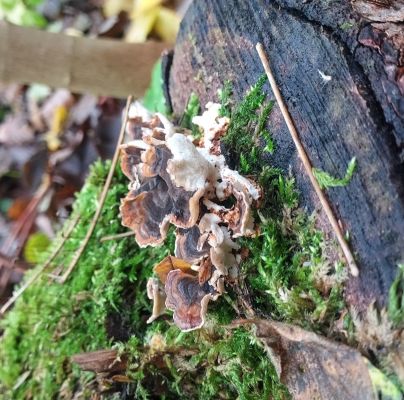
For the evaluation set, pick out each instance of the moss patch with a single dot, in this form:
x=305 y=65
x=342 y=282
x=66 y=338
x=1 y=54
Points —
x=52 y=321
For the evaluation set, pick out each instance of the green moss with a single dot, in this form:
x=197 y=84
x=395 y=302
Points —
x=154 y=98
x=203 y=363
x=51 y=322
x=325 y=180
x=191 y=110
x=384 y=388
x=288 y=273
x=225 y=99
x=396 y=299
x=247 y=137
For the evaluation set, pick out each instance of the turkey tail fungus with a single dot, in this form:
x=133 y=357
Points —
x=175 y=181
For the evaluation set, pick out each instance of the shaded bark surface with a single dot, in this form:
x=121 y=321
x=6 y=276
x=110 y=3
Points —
x=359 y=112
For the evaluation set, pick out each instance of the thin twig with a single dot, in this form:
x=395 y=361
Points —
x=306 y=162
x=37 y=273
x=117 y=236
x=101 y=201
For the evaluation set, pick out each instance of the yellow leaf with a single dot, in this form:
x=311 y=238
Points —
x=144 y=6
x=52 y=141
x=35 y=248
x=59 y=119
x=114 y=7
x=58 y=122
x=141 y=26
x=167 y=24
x=148 y=15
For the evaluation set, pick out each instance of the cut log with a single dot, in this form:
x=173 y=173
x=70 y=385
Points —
x=342 y=77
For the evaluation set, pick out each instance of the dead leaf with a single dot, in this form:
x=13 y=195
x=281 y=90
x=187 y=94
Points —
x=101 y=361
x=85 y=108
x=114 y=7
x=15 y=130
x=59 y=98
x=313 y=367
x=167 y=24
x=149 y=15
x=141 y=25
x=58 y=122
x=121 y=379
x=168 y=264
x=6 y=161
x=380 y=10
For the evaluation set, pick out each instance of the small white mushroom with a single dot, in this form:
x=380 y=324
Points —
x=213 y=125
x=221 y=253
x=187 y=167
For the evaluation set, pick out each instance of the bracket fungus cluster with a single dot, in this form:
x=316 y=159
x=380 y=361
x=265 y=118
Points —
x=176 y=179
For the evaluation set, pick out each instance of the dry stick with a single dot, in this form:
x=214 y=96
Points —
x=306 y=162
x=101 y=202
x=38 y=273
x=118 y=236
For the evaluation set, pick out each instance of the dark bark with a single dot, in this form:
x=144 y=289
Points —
x=359 y=112
x=311 y=366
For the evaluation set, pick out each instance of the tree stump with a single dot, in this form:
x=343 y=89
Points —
x=342 y=77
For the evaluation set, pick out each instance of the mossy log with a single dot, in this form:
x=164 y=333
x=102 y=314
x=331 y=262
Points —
x=341 y=77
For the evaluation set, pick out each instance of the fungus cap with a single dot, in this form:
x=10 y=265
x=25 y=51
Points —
x=188 y=299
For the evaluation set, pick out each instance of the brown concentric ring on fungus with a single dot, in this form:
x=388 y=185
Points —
x=130 y=158
x=155 y=160
x=187 y=299
x=140 y=119
x=149 y=209
x=146 y=211
x=190 y=246
x=239 y=218
x=185 y=210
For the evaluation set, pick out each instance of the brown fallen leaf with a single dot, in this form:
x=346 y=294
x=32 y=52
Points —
x=101 y=361
x=313 y=367
x=15 y=130
x=170 y=263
